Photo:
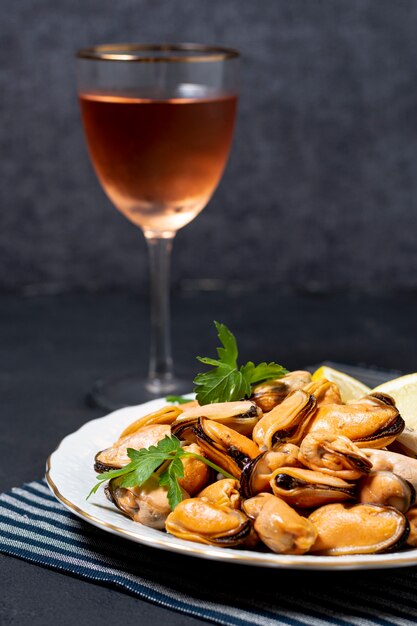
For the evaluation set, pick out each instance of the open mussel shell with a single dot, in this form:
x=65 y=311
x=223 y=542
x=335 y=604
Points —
x=196 y=519
x=287 y=422
x=387 y=489
x=307 y=489
x=269 y=394
x=224 y=446
x=241 y=416
x=116 y=457
x=358 y=529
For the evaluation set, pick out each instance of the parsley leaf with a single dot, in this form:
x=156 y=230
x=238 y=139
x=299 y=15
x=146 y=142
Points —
x=177 y=399
x=226 y=381
x=222 y=384
x=165 y=457
x=229 y=353
x=145 y=462
x=169 y=478
x=263 y=371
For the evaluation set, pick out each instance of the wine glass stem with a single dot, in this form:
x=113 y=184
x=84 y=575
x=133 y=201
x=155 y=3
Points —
x=160 y=373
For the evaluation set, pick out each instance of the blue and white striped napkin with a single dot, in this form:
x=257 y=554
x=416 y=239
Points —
x=37 y=528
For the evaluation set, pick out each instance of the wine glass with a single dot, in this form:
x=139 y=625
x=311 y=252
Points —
x=159 y=121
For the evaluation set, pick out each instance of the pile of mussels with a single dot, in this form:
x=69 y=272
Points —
x=312 y=474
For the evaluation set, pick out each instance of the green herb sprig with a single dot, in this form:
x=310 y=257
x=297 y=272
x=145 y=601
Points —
x=162 y=461
x=177 y=399
x=227 y=381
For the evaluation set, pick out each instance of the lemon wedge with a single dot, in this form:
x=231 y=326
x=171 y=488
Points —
x=404 y=392
x=350 y=388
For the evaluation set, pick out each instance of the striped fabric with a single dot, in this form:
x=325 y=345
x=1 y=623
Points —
x=36 y=528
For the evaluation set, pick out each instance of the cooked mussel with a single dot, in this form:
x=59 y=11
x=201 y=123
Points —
x=166 y=415
x=196 y=472
x=184 y=430
x=358 y=529
x=281 y=528
x=196 y=519
x=147 y=504
x=241 y=416
x=325 y=392
x=333 y=454
x=371 y=422
x=307 y=489
x=224 y=493
x=287 y=422
x=269 y=394
x=401 y=465
x=116 y=456
x=224 y=446
x=388 y=489
x=256 y=475
x=406 y=443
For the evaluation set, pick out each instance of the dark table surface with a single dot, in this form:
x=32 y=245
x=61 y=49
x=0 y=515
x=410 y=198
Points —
x=53 y=348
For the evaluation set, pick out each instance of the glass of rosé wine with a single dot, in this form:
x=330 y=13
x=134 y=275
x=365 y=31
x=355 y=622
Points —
x=159 y=122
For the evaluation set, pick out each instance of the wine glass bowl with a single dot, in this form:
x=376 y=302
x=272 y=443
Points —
x=158 y=121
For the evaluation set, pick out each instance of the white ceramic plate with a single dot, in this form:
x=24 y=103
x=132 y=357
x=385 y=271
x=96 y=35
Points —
x=70 y=476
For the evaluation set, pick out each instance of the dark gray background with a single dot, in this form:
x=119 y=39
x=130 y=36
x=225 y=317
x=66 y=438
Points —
x=321 y=189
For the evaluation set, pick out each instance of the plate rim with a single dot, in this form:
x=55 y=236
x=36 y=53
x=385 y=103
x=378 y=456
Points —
x=305 y=562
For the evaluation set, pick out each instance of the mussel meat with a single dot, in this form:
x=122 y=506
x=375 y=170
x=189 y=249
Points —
x=358 y=529
x=224 y=493
x=147 y=504
x=269 y=394
x=333 y=454
x=371 y=422
x=287 y=422
x=196 y=519
x=166 y=415
x=307 y=489
x=256 y=475
x=281 y=528
x=399 y=464
x=224 y=446
x=406 y=443
x=241 y=416
x=116 y=456
x=196 y=472
x=386 y=488
x=325 y=392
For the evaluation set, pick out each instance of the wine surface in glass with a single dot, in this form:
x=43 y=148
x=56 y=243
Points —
x=159 y=159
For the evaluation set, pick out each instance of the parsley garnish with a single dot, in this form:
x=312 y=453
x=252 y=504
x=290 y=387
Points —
x=163 y=461
x=177 y=399
x=227 y=381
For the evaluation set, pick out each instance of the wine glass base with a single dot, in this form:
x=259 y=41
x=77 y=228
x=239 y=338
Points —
x=112 y=394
